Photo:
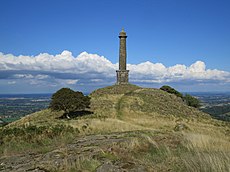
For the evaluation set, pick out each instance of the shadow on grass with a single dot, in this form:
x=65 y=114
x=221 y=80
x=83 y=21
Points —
x=75 y=114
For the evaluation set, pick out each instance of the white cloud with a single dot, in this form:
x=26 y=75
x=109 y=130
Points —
x=41 y=76
x=64 y=62
x=96 y=80
x=71 y=81
x=27 y=76
x=158 y=73
x=92 y=68
x=30 y=76
x=11 y=82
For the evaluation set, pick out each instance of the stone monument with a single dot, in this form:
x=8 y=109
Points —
x=122 y=73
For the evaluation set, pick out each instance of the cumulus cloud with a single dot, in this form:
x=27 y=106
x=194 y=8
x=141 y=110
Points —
x=91 y=69
x=63 y=63
x=157 y=72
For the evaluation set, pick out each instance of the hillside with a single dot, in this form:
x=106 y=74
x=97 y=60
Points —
x=127 y=128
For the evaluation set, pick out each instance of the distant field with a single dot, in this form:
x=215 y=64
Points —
x=215 y=104
x=15 y=106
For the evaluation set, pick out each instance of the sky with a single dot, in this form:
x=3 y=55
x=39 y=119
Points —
x=49 y=44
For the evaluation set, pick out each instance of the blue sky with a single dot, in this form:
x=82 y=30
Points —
x=194 y=34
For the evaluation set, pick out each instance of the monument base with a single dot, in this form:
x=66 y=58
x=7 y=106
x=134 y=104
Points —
x=122 y=77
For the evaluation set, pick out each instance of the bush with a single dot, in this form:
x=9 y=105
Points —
x=171 y=90
x=69 y=101
x=191 y=101
x=188 y=99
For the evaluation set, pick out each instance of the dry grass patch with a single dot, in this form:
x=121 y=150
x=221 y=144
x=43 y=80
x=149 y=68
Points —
x=207 y=142
x=206 y=153
x=149 y=150
x=100 y=126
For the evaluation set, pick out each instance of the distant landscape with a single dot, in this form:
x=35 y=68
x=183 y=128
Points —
x=15 y=106
x=215 y=104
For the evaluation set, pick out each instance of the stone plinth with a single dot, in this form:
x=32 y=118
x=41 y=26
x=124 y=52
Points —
x=122 y=77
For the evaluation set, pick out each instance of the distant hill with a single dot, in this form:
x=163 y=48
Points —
x=128 y=128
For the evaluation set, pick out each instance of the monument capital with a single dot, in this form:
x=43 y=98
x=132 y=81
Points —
x=122 y=34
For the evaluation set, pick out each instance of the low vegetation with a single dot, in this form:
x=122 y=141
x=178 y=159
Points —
x=171 y=91
x=32 y=138
x=191 y=101
x=188 y=99
x=131 y=128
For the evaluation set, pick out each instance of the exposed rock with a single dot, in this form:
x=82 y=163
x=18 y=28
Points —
x=88 y=146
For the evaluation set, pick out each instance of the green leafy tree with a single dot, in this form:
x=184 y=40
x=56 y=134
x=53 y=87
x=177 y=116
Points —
x=171 y=90
x=191 y=101
x=69 y=101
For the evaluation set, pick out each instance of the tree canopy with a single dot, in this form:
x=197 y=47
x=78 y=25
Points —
x=69 y=101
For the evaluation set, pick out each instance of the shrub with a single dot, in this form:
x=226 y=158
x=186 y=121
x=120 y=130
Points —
x=188 y=99
x=171 y=90
x=69 y=101
x=191 y=101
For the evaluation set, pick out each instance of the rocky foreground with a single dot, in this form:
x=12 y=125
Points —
x=105 y=149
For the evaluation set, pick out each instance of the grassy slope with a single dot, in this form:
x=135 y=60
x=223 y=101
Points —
x=202 y=143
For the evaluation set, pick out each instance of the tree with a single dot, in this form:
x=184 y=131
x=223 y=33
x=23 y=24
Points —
x=171 y=90
x=191 y=101
x=69 y=101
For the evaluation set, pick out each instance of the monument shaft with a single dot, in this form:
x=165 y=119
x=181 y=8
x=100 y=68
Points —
x=122 y=73
x=122 y=53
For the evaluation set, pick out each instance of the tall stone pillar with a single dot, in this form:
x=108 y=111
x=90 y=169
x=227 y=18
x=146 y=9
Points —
x=122 y=73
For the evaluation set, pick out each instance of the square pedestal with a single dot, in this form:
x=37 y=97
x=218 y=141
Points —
x=122 y=77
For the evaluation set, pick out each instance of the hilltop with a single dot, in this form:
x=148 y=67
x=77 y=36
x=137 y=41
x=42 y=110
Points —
x=127 y=128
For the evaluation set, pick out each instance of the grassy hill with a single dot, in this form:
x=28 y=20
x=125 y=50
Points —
x=130 y=128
